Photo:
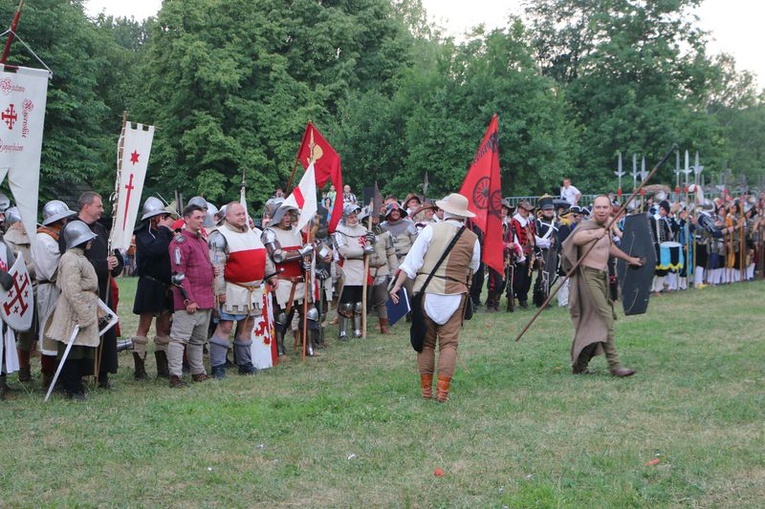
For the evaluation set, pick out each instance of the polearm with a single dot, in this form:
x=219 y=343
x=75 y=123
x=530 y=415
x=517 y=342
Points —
x=607 y=227
x=689 y=243
x=365 y=286
x=12 y=33
x=115 y=201
x=643 y=175
x=619 y=174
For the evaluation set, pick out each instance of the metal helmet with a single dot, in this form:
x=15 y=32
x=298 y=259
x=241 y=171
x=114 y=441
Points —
x=394 y=206
x=76 y=233
x=5 y=202
x=210 y=220
x=153 y=207
x=199 y=201
x=350 y=208
x=12 y=216
x=271 y=205
x=281 y=211
x=56 y=210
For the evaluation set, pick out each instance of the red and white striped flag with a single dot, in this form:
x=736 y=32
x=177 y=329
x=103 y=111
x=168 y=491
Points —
x=303 y=197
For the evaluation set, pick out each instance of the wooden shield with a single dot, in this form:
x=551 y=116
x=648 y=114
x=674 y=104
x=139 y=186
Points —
x=635 y=282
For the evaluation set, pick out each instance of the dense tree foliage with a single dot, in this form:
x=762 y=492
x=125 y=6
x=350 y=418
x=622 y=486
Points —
x=231 y=85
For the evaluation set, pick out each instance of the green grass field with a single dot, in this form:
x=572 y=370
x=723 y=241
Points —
x=348 y=429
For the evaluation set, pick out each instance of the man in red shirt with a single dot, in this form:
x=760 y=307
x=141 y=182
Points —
x=193 y=298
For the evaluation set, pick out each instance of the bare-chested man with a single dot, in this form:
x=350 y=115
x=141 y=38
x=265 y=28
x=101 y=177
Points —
x=589 y=302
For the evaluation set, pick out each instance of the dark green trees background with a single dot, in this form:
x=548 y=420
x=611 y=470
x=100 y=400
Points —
x=231 y=84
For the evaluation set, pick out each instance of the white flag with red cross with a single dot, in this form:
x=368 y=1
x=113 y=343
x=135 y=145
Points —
x=264 y=348
x=23 y=93
x=133 y=158
x=303 y=197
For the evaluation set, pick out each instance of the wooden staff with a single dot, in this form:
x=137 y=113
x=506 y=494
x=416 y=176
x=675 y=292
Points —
x=592 y=244
x=308 y=290
x=12 y=33
x=366 y=275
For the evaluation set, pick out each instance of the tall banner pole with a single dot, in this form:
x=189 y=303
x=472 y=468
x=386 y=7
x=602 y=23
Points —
x=12 y=33
x=364 y=297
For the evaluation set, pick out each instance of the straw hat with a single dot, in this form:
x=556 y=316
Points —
x=455 y=204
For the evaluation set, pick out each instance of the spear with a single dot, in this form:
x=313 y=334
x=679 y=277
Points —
x=697 y=169
x=607 y=227
x=643 y=175
x=619 y=173
x=687 y=171
x=634 y=171
x=677 y=175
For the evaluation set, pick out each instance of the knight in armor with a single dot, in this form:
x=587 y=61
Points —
x=243 y=265
x=353 y=243
x=77 y=306
x=16 y=237
x=46 y=254
x=287 y=251
x=402 y=230
x=153 y=298
x=545 y=231
x=107 y=266
x=523 y=227
x=382 y=265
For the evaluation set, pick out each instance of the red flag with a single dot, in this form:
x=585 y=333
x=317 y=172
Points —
x=315 y=149
x=484 y=193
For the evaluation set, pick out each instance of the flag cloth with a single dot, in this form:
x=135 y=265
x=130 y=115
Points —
x=133 y=152
x=315 y=149
x=483 y=189
x=263 y=348
x=377 y=201
x=303 y=198
x=23 y=95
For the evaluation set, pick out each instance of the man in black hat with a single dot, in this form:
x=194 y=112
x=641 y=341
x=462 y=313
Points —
x=545 y=232
x=524 y=237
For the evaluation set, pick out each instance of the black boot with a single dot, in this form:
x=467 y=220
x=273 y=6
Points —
x=140 y=367
x=163 y=371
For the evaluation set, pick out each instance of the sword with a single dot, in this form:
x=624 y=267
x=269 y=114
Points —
x=69 y=344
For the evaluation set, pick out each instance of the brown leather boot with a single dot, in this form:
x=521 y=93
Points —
x=442 y=388
x=384 y=326
x=177 y=383
x=25 y=368
x=48 y=364
x=426 y=384
x=163 y=371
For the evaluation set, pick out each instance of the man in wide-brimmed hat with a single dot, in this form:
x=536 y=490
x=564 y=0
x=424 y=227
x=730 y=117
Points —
x=444 y=286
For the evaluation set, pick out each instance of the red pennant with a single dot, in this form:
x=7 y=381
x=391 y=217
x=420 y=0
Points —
x=483 y=189
x=326 y=164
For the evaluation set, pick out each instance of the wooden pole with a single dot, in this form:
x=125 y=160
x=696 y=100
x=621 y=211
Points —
x=12 y=33
x=592 y=244
x=365 y=287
